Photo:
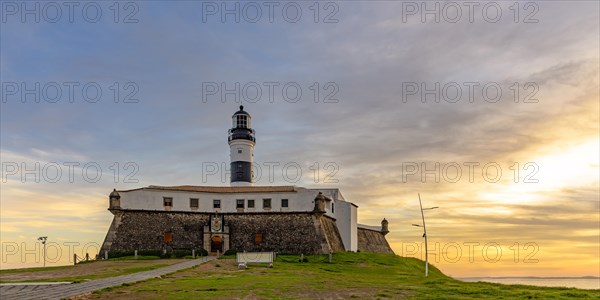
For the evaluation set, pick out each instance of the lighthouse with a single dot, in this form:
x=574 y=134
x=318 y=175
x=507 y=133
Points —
x=241 y=148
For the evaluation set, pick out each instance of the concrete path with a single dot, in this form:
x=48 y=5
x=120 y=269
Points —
x=59 y=291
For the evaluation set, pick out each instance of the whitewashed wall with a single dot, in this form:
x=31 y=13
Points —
x=346 y=214
x=301 y=200
x=151 y=199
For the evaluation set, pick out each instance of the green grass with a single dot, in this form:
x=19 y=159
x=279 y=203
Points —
x=104 y=275
x=350 y=275
x=27 y=270
x=45 y=269
x=100 y=272
x=134 y=258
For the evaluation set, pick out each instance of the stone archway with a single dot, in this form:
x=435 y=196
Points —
x=216 y=244
x=216 y=235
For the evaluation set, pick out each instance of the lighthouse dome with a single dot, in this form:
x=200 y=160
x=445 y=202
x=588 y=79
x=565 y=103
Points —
x=241 y=111
x=241 y=119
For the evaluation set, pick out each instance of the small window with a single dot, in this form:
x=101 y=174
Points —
x=168 y=202
x=332 y=206
x=194 y=202
x=258 y=238
x=239 y=203
x=266 y=203
x=216 y=203
x=250 y=203
x=240 y=151
x=168 y=237
x=284 y=202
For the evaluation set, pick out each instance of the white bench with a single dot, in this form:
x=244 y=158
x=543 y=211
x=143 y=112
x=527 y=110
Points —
x=245 y=258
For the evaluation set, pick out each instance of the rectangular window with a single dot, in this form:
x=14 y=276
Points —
x=168 y=237
x=258 y=238
x=168 y=201
x=216 y=203
x=332 y=210
x=266 y=203
x=284 y=202
x=194 y=202
x=250 y=203
x=239 y=203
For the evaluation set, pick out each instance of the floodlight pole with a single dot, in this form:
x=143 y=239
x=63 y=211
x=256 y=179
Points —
x=425 y=234
x=43 y=239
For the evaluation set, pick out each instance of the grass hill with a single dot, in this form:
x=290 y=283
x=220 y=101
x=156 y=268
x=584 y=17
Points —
x=348 y=276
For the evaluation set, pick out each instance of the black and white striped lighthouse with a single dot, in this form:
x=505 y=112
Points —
x=241 y=147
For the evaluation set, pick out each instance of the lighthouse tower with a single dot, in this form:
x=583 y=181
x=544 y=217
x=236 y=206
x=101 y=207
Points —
x=241 y=147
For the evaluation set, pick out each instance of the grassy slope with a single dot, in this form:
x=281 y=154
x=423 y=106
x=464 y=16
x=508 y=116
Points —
x=350 y=275
x=94 y=270
x=29 y=270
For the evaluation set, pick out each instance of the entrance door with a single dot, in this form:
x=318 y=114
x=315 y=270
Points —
x=216 y=244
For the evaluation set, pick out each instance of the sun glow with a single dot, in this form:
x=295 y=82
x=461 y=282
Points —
x=576 y=167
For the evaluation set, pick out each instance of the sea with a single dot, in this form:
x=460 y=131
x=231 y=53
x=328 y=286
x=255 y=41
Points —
x=574 y=282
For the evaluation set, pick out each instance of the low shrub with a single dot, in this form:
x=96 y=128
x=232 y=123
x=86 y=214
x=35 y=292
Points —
x=180 y=253
x=230 y=252
x=116 y=254
x=155 y=252
x=201 y=252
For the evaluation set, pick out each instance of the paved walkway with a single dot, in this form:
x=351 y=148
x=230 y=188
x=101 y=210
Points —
x=59 y=291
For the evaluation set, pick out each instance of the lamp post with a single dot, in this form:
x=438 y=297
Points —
x=43 y=239
x=424 y=234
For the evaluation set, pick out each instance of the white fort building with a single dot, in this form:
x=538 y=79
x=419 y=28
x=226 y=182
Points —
x=241 y=216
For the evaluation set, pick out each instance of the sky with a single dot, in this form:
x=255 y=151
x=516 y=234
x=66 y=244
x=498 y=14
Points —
x=487 y=110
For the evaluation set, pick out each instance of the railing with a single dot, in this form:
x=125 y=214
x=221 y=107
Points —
x=247 y=134
x=80 y=259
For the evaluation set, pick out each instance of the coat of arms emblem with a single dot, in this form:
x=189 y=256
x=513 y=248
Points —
x=216 y=223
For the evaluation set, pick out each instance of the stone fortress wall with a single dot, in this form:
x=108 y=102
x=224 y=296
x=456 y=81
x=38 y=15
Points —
x=283 y=232
x=372 y=241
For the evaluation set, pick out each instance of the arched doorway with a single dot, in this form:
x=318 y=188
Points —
x=216 y=244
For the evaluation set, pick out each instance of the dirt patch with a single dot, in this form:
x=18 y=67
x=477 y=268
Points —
x=121 y=294
x=218 y=265
x=214 y=266
x=115 y=267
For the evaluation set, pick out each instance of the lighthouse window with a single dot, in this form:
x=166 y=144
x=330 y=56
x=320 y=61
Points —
x=251 y=203
x=216 y=203
x=284 y=202
x=168 y=202
x=240 y=151
x=266 y=203
x=242 y=121
x=240 y=203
